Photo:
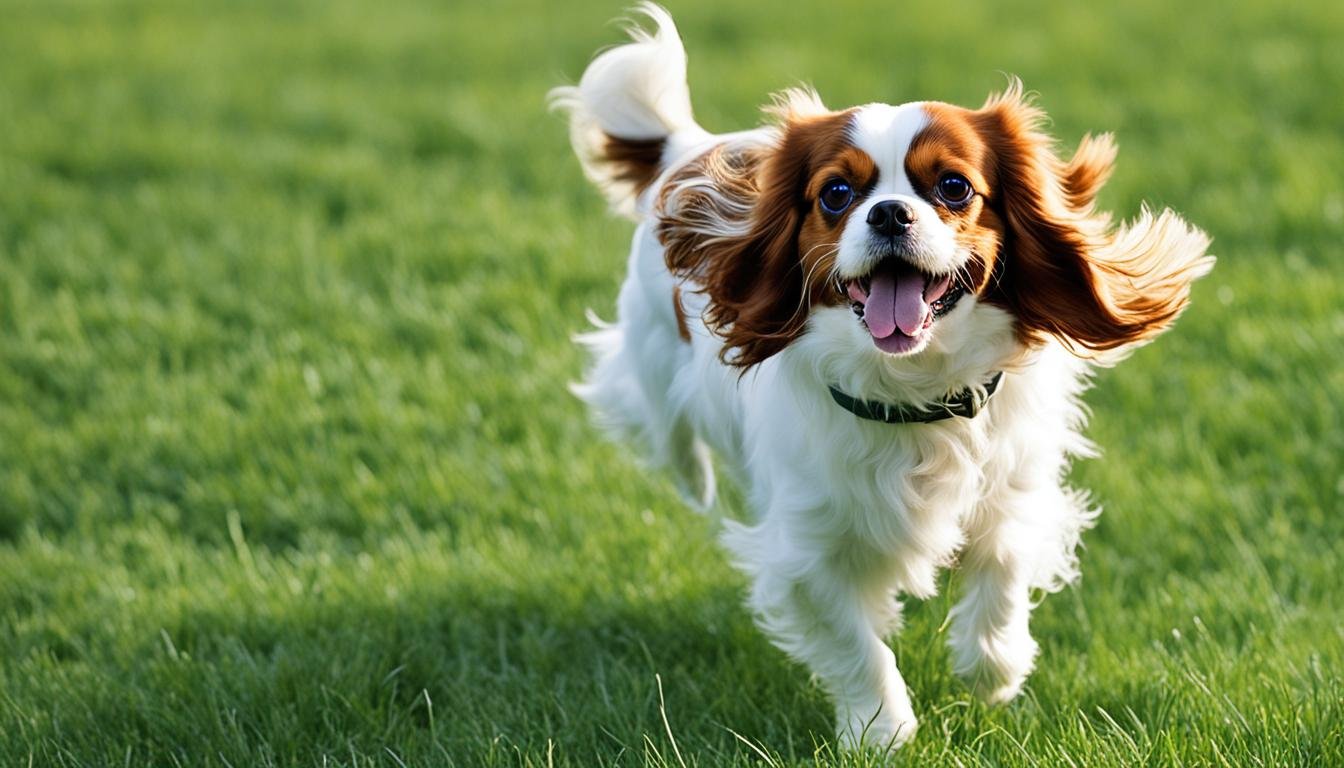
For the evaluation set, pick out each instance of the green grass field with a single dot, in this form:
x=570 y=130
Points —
x=289 y=474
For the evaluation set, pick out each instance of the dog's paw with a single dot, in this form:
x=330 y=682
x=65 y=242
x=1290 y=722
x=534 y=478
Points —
x=996 y=670
x=992 y=692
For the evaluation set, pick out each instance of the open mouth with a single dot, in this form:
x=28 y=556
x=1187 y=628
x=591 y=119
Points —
x=898 y=303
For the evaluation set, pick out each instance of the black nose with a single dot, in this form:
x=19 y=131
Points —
x=891 y=217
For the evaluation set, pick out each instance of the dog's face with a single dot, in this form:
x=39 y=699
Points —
x=909 y=218
x=904 y=214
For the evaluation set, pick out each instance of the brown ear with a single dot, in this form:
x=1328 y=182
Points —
x=1064 y=271
x=1088 y=171
x=730 y=223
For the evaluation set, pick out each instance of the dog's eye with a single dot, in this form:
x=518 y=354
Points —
x=836 y=196
x=954 y=189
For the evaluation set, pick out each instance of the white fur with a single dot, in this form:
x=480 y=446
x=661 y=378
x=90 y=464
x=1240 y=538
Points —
x=634 y=91
x=848 y=514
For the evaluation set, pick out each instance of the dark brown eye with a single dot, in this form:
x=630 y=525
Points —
x=836 y=196
x=954 y=189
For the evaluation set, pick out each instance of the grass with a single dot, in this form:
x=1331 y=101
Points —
x=288 y=471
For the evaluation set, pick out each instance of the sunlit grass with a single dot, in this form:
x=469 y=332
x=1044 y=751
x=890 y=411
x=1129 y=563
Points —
x=288 y=470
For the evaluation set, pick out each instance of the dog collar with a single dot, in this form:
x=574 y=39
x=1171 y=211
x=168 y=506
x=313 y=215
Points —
x=966 y=403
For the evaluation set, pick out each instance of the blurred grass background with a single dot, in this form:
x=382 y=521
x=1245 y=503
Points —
x=289 y=475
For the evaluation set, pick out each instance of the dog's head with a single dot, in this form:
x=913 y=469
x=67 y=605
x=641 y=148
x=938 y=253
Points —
x=906 y=215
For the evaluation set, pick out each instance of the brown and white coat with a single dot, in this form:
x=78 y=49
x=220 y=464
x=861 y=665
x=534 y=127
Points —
x=897 y=253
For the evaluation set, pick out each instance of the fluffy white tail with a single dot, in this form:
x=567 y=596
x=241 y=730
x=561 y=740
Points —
x=631 y=110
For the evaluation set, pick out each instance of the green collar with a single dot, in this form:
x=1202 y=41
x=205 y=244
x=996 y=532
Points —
x=968 y=402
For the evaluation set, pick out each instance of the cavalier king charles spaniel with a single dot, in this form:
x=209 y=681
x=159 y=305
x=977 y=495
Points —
x=880 y=319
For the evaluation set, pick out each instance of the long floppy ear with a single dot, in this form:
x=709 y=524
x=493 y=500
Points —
x=1065 y=272
x=730 y=220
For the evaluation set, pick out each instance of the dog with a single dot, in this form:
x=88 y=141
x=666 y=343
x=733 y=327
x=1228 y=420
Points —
x=880 y=319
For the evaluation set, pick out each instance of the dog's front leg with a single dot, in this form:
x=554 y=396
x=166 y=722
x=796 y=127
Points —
x=992 y=647
x=829 y=620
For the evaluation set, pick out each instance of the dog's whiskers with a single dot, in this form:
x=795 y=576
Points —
x=805 y=300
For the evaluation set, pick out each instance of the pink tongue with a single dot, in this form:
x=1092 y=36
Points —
x=895 y=300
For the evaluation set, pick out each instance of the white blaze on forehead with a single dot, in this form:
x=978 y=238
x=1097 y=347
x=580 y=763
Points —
x=886 y=133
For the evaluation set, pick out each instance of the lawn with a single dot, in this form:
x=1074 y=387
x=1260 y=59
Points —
x=289 y=474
